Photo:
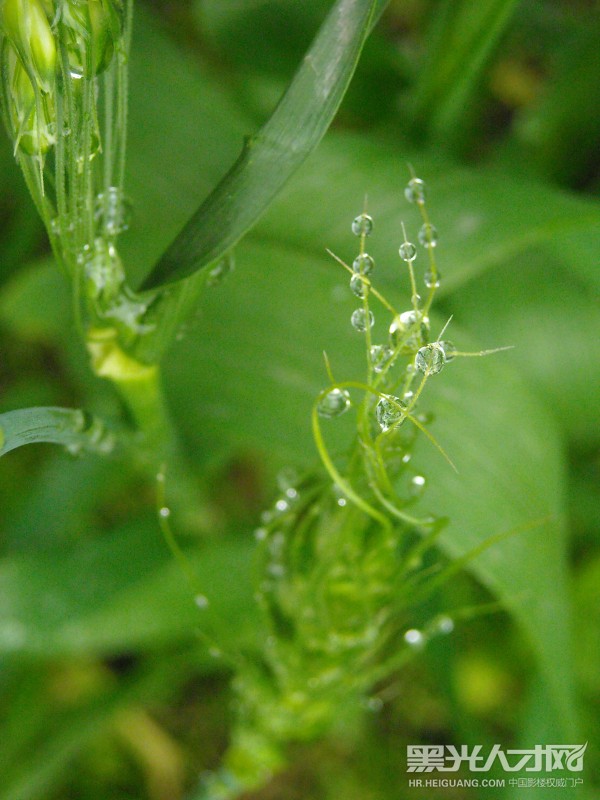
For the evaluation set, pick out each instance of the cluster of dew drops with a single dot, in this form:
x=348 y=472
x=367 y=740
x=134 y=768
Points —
x=430 y=358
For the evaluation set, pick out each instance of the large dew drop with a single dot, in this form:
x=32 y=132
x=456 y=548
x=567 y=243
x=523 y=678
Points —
x=415 y=191
x=388 y=411
x=362 y=225
x=408 y=252
x=361 y=320
x=363 y=264
x=333 y=404
x=430 y=359
x=381 y=356
x=428 y=235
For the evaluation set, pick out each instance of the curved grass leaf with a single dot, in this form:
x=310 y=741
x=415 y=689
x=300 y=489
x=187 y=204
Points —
x=74 y=429
x=269 y=158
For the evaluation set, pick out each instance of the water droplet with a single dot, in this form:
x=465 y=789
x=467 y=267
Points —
x=292 y=494
x=164 y=512
x=281 y=506
x=214 y=652
x=430 y=359
x=363 y=264
x=201 y=601
x=388 y=411
x=113 y=212
x=414 y=638
x=406 y=458
x=358 y=286
x=402 y=323
x=220 y=270
x=448 y=349
x=415 y=191
x=381 y=357
x=361 y=320
x=334 y=403
x=373 y=704
x=428 y=235
x=408 y=252
x=444 y=624
x=287 y=478
x=417 y=485
x=260 y=534
x=362 y=225
x=407 y=397
x=431 y=279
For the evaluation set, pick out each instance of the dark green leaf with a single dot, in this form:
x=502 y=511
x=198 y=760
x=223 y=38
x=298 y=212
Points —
x=73 y=429
x=275 y=153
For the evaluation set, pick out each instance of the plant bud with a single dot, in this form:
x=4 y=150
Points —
x=92 y=28
x=31 y=113
x=26 y=26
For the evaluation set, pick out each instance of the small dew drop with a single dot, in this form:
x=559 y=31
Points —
x=362 y=225
x=389 y=411
x=165 y=512
x=201 y=601
x=361 y=320
x=260 y=534
x=214 y=652
x=363 y=264
x=430 y=359
x=406 y=458
x=449 y=350
x=381 y=357
x=220 y=270
x=428 y=235
x=408 y=252
x=334 y=403
x=342 y=502
x=445 y=624
x=431 y=279
x=113 y=211
x=417 y=485
x=414 y=638
x=281 y=506
x=373 y=704
x=415 y=191
x=358 y=286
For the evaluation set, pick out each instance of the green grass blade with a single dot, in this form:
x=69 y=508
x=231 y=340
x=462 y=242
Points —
x=269 y=158
x=74 y=429
x=462 y=38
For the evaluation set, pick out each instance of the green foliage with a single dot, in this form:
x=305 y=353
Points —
x=115 y=663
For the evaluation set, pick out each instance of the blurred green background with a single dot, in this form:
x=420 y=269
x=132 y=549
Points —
x=107 y=690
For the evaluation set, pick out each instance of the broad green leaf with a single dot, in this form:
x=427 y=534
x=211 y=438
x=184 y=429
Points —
x=484 y=216
x=254 y=372
x=71 y=428
x=270 y=157
x=123 y=592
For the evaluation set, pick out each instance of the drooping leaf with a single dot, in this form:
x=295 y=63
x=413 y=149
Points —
x=270 y=157
x=71 y=428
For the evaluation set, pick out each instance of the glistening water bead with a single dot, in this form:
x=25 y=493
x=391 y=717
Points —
x=363 y=264
x=362 y=225
x=381 y=356
x=388 y=411
x=361 y=320
x=448 y=349
x=430 y=359
x=431 y=279
x=428 y=235
x=333 y=404
x=408 y=252
x=415 y=191
x=358 y=286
